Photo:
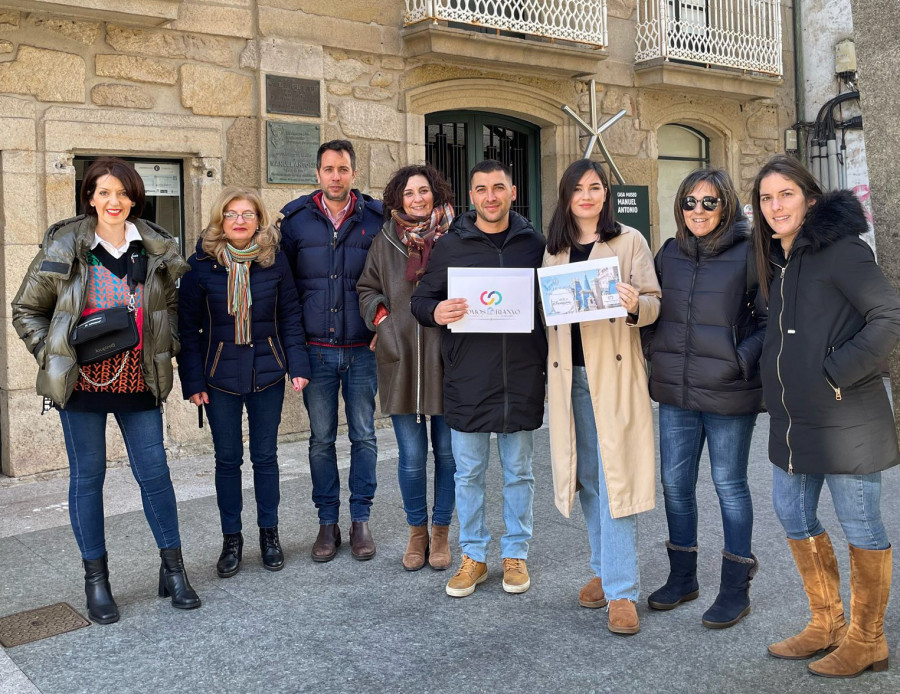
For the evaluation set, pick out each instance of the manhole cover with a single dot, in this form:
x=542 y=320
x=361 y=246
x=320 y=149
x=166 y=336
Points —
x=42 y=623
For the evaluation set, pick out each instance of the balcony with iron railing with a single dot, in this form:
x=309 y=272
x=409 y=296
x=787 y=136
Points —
x=737 y=42
x=564 y=37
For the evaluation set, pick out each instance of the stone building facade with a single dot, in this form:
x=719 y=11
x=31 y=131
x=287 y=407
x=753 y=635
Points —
x=184 y=82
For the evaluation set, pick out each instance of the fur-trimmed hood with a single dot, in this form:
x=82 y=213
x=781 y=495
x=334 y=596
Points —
x=837 y=214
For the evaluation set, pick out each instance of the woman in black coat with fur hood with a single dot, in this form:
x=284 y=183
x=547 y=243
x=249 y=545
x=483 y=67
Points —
x=833 y=320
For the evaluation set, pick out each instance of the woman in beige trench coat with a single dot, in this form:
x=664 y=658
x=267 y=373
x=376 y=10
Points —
x=601 y=422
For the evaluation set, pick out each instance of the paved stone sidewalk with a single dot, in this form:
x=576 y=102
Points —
x=348 y=626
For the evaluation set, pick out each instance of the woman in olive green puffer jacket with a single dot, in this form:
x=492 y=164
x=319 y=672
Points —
x=105 y=259
x=52 y=296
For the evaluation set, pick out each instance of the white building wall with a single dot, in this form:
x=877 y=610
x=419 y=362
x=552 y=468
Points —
x=825 y=23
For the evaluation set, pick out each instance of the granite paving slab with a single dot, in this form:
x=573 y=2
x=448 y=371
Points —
x=349 y=626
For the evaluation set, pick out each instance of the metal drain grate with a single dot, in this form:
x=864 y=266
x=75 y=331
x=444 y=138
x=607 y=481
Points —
x=42 y=623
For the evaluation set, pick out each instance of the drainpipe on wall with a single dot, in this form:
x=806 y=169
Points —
x=799 y=84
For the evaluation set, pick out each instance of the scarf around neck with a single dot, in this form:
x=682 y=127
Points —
x=237 y=262
x=418 y=234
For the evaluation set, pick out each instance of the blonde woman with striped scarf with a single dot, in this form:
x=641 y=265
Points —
x=242 y=333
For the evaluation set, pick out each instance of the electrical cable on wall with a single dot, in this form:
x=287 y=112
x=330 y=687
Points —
x=817 y=141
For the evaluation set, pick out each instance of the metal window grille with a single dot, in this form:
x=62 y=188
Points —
x=445 y=149
x=510 y=147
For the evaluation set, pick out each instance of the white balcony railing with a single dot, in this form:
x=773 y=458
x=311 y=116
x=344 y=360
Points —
x=743 y=34
x=581 y=21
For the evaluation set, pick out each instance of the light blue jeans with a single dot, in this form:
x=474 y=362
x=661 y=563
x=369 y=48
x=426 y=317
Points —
x=472 y=452
x=613 y=540
x=856 y=499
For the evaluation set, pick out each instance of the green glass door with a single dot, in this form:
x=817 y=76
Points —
x=457 y=140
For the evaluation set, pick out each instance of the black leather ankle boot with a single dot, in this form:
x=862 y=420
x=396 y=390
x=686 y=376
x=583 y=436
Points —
x=232 y=552
x=173 y=580
x=270 y=547
x=101 y=605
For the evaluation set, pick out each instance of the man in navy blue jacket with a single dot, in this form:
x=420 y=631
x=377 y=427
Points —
x=326 y=236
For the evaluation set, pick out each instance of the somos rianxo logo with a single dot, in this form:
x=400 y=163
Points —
x=492 y=298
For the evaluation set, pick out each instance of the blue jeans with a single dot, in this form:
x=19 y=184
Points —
x=85 y=435
x=412 y=440
x=264 y=415
x=613 y=541
x=472 y=452
x=352 y=371
x=857 y=503
x=682 y=434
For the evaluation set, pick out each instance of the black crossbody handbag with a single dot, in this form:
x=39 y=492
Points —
x=109 y=332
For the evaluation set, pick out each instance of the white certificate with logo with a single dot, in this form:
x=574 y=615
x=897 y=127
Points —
x=581 y=292
x=501 y=300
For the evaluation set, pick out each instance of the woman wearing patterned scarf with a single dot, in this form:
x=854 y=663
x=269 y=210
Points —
x=418 y=210
x=239 y=317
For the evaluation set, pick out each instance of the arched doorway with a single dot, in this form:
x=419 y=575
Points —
x=457 y=140
x=682 y=149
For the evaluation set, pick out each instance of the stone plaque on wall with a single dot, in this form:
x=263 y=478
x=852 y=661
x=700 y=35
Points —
x=292 y=96
x=291 y=152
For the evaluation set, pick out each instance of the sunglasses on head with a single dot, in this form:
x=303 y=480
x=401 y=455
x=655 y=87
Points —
x=709 y=203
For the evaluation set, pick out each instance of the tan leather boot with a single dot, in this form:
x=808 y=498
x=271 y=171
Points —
x=417 y=548
x=864 y=646
x=440 y=558
x=818 y=568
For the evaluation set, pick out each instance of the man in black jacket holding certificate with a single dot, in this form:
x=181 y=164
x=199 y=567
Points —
x=493 y=382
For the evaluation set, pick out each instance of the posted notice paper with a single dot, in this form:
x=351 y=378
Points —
x=501 y=300
x=581 y=292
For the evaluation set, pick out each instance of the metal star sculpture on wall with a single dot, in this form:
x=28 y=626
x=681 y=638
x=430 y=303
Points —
x=594 y=131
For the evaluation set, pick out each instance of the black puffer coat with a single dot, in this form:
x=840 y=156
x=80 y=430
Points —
x=704 y=348
x=210 y=358
x=493 y=382
x=834 y=319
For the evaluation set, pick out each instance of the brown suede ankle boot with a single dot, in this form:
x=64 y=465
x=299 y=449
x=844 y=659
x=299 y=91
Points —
x=591 y=594
x=440 y=558
x=417 y=548
x=623 y=617
x=818 y=568
x=864 y=646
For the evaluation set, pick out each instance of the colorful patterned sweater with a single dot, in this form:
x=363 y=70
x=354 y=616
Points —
x=107 y=286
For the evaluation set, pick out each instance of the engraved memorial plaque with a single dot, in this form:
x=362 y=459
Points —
x=292 y=96
x=291 y=152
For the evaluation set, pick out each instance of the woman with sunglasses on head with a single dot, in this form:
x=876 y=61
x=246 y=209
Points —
x=242 y=333
x=92 y=271
x=704 y=350
x=835 y=320
x=597 y=388
x=418 y=208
